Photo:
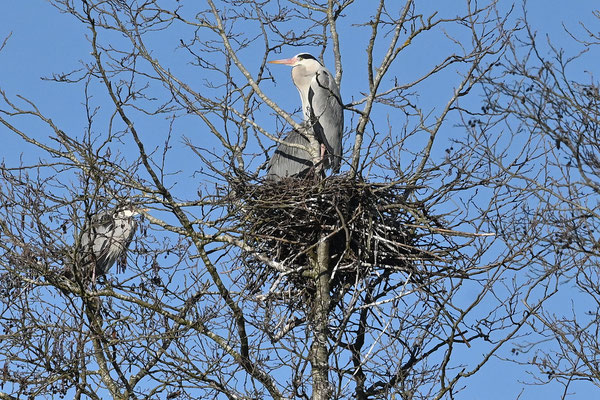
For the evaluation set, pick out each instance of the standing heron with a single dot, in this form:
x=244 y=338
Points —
x=105 y=238
x=323 y=115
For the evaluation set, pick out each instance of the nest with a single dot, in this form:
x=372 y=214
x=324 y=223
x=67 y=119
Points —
x=370 y=227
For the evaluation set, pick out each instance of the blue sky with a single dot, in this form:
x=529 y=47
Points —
x=43 y=41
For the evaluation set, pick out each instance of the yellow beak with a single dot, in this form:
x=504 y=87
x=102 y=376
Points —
x=285 y=61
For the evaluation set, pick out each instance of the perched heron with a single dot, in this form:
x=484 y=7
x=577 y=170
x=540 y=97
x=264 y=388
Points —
x=105 y=238
x=323 y=115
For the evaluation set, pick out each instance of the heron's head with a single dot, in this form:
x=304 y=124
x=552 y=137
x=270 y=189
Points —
x=129 y=211
x=305 y=60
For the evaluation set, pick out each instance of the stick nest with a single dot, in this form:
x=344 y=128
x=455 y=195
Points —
x=370 y=227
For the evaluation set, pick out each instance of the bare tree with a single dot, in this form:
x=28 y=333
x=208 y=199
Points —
x=549 y=97
x=378 y=283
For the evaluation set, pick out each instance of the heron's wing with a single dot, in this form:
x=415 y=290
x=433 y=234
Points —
x=288 y=160
x=327 y=116
x=95 y=234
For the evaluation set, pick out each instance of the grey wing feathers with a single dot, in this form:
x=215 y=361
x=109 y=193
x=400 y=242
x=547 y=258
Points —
x=327 y=115
x=288 y=160
x=95 y=232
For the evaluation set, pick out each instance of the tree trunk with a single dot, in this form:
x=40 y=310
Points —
x=319 y=348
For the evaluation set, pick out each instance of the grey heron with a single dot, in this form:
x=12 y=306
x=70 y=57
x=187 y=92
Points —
x=105 y=238
x=323 y=115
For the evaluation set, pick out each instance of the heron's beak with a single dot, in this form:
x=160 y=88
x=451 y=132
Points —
x=285 y=61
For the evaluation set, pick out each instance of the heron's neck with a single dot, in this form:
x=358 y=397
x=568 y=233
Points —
x=302 y=78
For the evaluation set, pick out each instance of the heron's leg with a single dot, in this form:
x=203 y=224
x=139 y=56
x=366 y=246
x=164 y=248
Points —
x=320 y=165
